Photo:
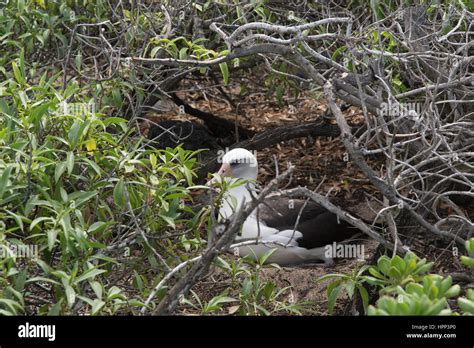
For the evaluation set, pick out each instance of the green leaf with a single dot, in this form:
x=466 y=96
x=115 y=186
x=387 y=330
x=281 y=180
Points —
x=59 y=171
x=468 y=261
x=97 y=305
x=52 y=237
x=169 y=220
x=338 y=52
x=43 y=279
x=424 y=269
x=153 y=160
x=265 y=256
x=18 y=75
x=18 y=219
x=414 y=288
x=183 y=53
x=56 y=308
x=214 y=303
x=383 y=264
x=40 y=219
x=96 y=225
x=470 y=246
x=375 y=273
x=333 y=297
x=398 y=263
x=466 y=305
x=114 y=292
x=70 y=162
x=119 y=193
x=364 y=295
x=89 y=274
x=82 y=196
x=225 y=72
x=154 y=51
x=394 y=273
x=70 y=295
x=453 y=291
x=97 y=287
x=75 y=132
x=39 y=111
x=4 y=179
x=350 y=287
x=437 y=307
x=23 y=98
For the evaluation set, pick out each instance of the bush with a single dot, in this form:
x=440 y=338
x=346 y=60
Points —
x=83 y=193
x=405 y=288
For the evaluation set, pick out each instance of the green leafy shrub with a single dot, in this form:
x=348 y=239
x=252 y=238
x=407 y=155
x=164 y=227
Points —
x=409 y=304
x=75 y=185
x=425 y=295
x=404 y=288
x=428 y=298
x=250 y=295
x=397 y=271
x=348 y=282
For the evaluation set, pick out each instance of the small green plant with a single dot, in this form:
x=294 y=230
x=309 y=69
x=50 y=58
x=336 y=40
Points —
x=257 y=297
x=435 y=287
x=350 y=283
x=409 y=304
x=427 y=295
x=397 y=271
x=387 y=274
x=404 y=287
x=213 y=306
x=428 y=298
x=235 y=267
x=253 y=295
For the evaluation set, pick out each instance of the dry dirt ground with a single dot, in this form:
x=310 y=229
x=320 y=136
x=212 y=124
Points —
x=301 y=280
x=319 y=164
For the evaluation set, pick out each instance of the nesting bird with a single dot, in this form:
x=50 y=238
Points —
x=274 y=225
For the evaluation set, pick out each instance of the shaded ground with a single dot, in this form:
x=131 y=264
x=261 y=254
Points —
x=300 y=279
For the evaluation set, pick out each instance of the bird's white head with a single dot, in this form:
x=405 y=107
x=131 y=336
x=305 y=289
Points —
x=239 y=163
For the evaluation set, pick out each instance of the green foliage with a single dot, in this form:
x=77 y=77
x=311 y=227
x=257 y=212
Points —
x=351 y=283
x=435 y=287
x=410 y=304
x=390 y=273
x=181 y=48
x=213 y=306
x=467 y=260
x=82 y=188
x=426 y=295
x=250 y=295
x=59 y=169
x=405 y=288
x=429 y=298
x=39 y=27
x=467 y=303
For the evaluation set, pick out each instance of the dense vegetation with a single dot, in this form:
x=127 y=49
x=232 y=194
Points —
x=108 y=216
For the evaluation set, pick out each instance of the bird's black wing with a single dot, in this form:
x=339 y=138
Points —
x=318 y=225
